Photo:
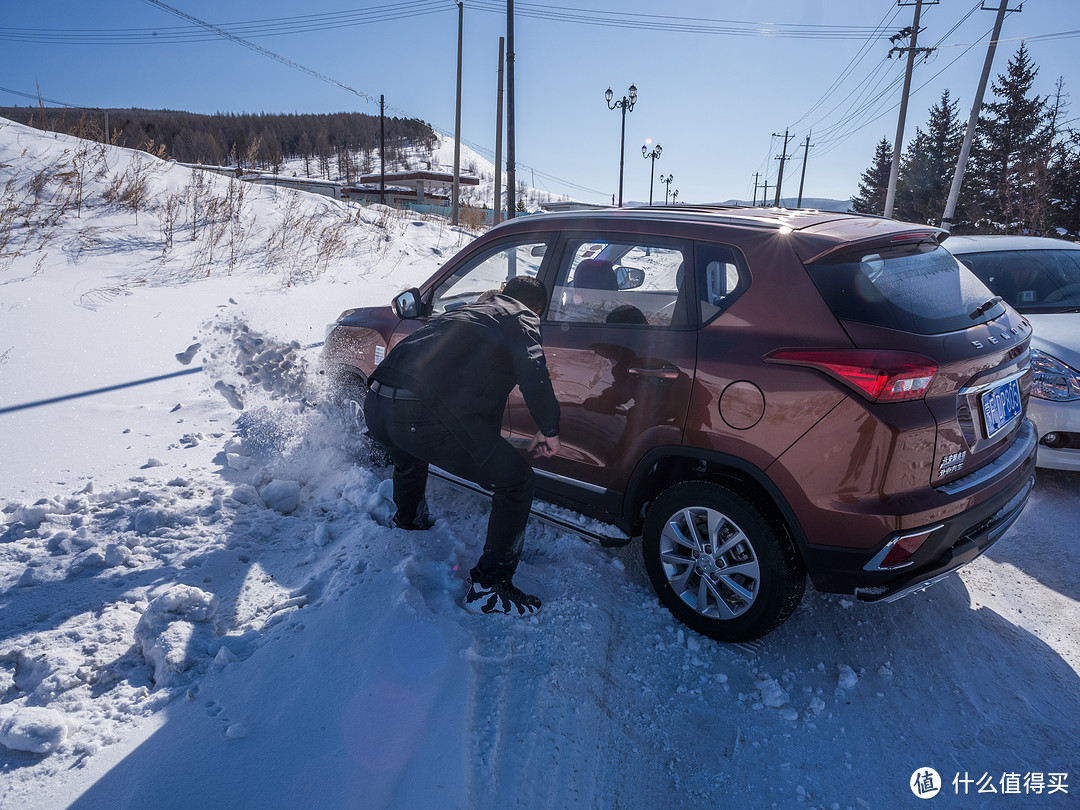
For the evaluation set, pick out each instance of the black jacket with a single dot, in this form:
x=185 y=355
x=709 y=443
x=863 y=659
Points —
x=463 y=365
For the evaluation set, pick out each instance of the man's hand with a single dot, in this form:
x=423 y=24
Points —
x=544 y=446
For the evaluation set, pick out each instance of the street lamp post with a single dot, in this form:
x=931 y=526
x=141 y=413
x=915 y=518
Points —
x=674 y=194
x=653 y=155
x=667 y=185
x=626 y=104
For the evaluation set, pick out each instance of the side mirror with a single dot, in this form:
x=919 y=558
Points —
x=629 y=278
x=406 y=305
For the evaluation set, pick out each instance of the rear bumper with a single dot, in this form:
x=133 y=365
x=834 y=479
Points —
x=969 y=546
x=952 y=541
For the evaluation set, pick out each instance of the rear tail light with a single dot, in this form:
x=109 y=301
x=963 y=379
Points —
x=880 y=376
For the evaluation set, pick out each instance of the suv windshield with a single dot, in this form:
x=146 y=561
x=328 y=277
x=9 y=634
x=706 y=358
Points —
x=914 y=288
x=1033 y=281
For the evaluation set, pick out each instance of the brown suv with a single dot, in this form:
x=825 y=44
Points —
x=758 y=394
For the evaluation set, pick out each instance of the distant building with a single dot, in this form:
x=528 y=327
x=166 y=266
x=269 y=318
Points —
x=324 y=187
x=404 y=188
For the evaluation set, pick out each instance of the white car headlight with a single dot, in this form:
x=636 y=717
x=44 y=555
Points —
x=1053 y=379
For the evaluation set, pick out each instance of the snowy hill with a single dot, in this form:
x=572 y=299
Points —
x=202 y=605
x=441 y=159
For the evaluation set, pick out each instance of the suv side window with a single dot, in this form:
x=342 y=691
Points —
x=631 y=281
x=722 y=276
x=484 y=275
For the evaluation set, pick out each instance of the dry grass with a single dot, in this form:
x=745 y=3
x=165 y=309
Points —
x=304 y=241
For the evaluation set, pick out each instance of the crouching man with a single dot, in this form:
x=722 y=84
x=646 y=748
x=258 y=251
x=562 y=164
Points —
x=438 y=398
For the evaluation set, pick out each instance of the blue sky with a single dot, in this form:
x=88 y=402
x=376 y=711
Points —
x=715 y=79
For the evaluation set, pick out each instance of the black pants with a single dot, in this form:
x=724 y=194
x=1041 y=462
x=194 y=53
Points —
x=414 y=438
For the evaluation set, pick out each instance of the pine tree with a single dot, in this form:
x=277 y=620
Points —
x=1016 y=134
x=1064 y=198
x=874 y=184
x=926 y=171
x=1063 y=187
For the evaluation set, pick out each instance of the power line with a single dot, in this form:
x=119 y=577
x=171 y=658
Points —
x=1032 y=38
x=259 y=49
x=868 y=111
x=883 y=24
x=671 y=23
x=280 y=26
x=50 y=100
x=196 y=32
x=837 y=142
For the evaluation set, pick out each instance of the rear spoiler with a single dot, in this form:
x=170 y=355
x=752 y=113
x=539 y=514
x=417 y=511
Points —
x=913 y=236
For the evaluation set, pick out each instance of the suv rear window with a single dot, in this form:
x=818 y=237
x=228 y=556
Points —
x=914 y=288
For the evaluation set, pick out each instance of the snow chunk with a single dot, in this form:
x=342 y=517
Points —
x=323 y=535
x=188 y=354
x=46 y=675
x=236 y=731
x=245 y=493
x=33 y=575
x=224 y=657
x=238 y=462
x=116 y=554
x=281 y=495
x=33 y=729
x=772 y=694
x=230 y=394
x=368 y=493
x=148 y=518
x=30 y=516
x=174 y=630
x=847 y=678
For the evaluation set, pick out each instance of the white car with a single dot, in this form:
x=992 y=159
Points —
x=1040 y=278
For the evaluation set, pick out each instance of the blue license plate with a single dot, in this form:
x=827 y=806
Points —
x=1000 y=406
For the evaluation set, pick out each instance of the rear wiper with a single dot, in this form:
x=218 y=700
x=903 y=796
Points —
x=993 y=302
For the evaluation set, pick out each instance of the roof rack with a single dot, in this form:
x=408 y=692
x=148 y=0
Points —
x=767 y=218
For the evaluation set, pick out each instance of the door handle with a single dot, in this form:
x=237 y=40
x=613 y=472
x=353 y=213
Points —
x=662 y=373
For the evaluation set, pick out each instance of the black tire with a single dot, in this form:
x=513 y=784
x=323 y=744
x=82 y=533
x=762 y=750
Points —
x=697 y=530
x=346 y=390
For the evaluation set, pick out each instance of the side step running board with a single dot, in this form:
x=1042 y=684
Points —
x=615 y=540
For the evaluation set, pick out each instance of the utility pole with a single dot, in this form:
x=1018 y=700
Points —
x=498 y=140
x=457 y=122
x=765 y=192
x=382 y=150
x=973 y=119
x=511 y=171
x=756 y=175
x=802 y=180
x=912 y=52
x=780 y=177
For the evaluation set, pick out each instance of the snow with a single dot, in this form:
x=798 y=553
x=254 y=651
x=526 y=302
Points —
x=202 y=603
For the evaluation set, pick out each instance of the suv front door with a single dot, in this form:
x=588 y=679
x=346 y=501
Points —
x=620 y=341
